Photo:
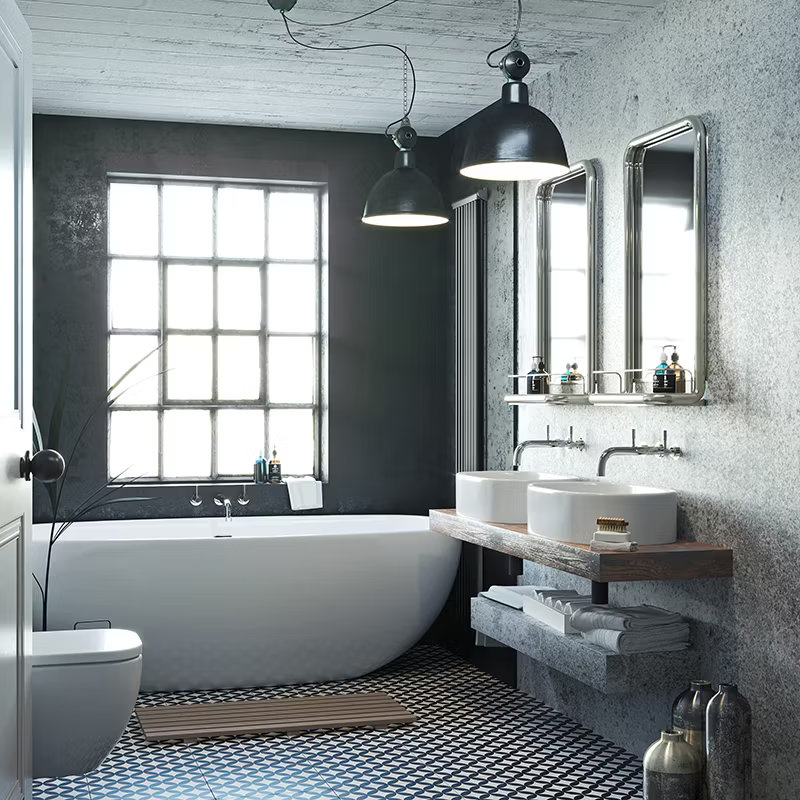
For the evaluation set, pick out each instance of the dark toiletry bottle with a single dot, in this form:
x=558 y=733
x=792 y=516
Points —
x=260 y=469
x=672 y=769
x=537 y=382
x=729 y=741
x=689 y=715
x=679 y=372
x=274 y=468
x=663 y=379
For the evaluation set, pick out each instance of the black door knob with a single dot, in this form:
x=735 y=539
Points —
x=46 y=466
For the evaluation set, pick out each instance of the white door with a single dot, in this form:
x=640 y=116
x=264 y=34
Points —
x=15 y=400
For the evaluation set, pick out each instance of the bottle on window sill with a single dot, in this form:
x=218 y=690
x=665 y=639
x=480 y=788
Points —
x=260 y=469
x=274 y=473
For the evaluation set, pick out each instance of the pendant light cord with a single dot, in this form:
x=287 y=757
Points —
x=510 y=42
x=341 y=22
x=406 y=63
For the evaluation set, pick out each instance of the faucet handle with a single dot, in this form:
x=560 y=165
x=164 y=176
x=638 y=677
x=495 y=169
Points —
x=219 y=500
x=633 y=437
x=195 y=499
x=548 y=433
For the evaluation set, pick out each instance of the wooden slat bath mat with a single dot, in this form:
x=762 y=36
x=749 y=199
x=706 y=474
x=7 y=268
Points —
x=201 y=720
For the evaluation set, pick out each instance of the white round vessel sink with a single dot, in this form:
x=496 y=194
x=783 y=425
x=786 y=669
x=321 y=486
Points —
x=568 y=510
x=498 y=495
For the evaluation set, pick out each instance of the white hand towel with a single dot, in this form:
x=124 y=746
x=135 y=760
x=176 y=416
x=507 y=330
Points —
x=304 y=493
x=630 y=618
x=613 y=547
x=656 y=640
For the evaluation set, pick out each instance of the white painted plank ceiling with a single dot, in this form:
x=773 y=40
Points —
x=230 y=61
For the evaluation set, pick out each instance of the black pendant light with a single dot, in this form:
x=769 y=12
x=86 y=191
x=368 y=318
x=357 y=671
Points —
x=405 y=197
x=512 y=140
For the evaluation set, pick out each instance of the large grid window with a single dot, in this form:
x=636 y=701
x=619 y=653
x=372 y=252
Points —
x=226 y=277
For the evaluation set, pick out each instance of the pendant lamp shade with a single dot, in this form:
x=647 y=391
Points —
x=513 y=141
x=405 y=197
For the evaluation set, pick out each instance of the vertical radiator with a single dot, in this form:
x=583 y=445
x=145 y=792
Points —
x=470 y=333
x=470 y=377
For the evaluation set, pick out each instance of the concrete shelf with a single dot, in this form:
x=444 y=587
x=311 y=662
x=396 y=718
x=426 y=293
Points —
x=572 y=655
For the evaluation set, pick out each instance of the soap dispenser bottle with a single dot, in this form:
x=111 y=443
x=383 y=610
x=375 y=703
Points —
x=678 y=372
x=274 y=473
x=537 y=382
x=577 y=380
x=663 y=379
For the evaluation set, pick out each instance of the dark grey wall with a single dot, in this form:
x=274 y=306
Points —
x=389 y=300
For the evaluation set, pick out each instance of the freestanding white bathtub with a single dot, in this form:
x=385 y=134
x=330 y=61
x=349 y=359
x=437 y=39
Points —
x=276 y=601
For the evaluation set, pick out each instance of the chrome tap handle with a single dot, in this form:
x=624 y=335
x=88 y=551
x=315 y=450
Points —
x=633 y=437
x=548 y=433
x=665 y=440
x=195 y=499
x=243 y=499
x=219 y=500
x=570 y=434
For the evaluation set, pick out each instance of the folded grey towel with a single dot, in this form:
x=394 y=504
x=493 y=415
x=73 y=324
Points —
x=665 y=638
x=632 y=618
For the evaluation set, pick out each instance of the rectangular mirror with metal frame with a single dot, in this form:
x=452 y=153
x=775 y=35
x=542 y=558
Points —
x=666 y=274
x=566 y=244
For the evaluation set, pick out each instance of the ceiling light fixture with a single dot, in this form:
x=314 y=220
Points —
x=513 y=141
x=404 y=197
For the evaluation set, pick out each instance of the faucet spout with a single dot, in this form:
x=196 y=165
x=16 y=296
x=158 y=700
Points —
x=221 y=500
x=660 y=450
x=571 y=443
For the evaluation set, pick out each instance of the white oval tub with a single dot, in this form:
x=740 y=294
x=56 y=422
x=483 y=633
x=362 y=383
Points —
x=284 y=600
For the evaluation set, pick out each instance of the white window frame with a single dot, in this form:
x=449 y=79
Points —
x=214 y=405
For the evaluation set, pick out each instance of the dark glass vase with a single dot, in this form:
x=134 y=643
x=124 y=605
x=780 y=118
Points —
x=729 y=741
x=689 y=715
x=672 y=769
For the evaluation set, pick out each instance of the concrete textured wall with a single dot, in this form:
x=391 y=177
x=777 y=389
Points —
x=735 y=64
x=389 y=412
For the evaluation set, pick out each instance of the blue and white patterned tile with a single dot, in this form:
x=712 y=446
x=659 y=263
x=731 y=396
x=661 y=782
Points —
x=474 y=739
x=73 y=788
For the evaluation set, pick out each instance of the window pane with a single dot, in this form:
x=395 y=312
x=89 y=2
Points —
x=187 y=444
x=239 y=298
x=292 y=225
x=240 y=438
x=189 y=365
x=133 y=219
x=240 y=223
x=187 y=220
x=290 y=369
x=141 y=386
x=238 y=368
x=291 y=432
x=133 y=294
x=133 y=444
x=190 y=296
x=291 y=298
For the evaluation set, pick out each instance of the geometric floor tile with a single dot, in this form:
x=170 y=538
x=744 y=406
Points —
x=474 y=739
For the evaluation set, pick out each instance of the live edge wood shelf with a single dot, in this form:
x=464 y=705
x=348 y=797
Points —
x=666 y=562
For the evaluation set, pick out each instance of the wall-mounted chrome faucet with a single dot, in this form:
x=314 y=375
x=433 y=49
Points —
x=195 y=499
x=221 y=500
x=660 y=450
x=577 y=444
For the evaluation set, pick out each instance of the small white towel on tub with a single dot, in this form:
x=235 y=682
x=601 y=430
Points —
x=304 y=493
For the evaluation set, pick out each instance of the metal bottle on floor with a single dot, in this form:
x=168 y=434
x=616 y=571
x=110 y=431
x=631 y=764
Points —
x=729 y=741
x=689 y=715
x=673 y=769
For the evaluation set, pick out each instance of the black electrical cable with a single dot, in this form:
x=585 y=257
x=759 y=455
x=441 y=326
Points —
x=406 y=111
x=341 y=22
x=510 y=41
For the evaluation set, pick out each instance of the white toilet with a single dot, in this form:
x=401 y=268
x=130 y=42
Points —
x=84 y=688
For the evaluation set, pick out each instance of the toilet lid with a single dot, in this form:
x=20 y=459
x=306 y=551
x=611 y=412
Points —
x=84 y=646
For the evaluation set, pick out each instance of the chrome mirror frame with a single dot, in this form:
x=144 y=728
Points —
x=544 y=197
x=634 y=184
